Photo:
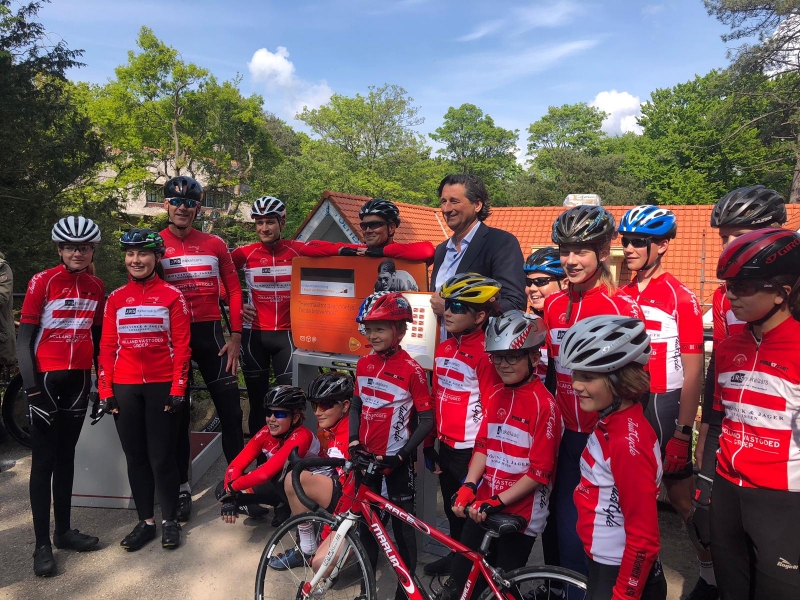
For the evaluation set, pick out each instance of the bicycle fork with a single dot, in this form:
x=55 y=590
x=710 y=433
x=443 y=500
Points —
x=340 y=532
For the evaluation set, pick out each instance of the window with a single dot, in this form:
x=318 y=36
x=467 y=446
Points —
x=216 y=199
x=154 y=194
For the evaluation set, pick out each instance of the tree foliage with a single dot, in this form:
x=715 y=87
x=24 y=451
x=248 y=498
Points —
x=571 y=126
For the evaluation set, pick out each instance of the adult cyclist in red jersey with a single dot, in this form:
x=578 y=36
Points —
x=621 y=464
x=675 y=324
x=59 y=335
x=583 y=234
x=755 y=537
x=142 y=377
x=738 y=212
x=199 y=265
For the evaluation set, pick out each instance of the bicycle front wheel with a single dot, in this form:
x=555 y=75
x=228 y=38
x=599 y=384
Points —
x=284 y=570
x=542 y=583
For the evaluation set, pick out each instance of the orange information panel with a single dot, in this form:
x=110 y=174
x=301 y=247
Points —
x=327 y=293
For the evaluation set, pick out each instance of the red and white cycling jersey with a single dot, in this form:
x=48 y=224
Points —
x=414 y=251
x=268 y=272
x=590 y=303
x=725 y=322
x=276 y=451
x=145 y=337
x=390 y=390
x=65 y=306
x=617 y=495
x=463 y=376
x=758 y=387
x=198 y=265
x=338 y=436
x=519 y=436
x=675 y=324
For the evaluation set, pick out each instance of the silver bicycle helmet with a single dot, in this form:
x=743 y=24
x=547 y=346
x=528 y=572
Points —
x=605 y=343
x=515 y=330
x=75 y=230
x=268 y=205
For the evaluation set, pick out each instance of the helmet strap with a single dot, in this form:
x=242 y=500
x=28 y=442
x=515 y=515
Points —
x=616 y=402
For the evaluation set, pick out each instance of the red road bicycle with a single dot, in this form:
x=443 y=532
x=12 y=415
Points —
x=345 y=572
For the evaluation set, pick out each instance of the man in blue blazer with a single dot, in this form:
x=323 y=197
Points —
x=475 y=247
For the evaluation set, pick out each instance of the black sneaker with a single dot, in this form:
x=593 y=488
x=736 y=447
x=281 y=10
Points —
x=44 y=565
x=703 y=591
x=254 y=511
x=170 y=535
x=137 y=538
x=72 y=539
x=184 y=506
x=440 y=567
x=282 y=513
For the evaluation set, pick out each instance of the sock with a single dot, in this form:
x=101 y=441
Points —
x=308 y=542
x=151 y=523
x=185 y=487
x=707 y=572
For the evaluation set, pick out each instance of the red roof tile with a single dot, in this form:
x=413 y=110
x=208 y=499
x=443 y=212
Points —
x=692 y=256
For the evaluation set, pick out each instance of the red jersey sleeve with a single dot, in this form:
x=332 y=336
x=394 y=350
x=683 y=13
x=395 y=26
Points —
x=230 y=280
x=487 y=378
x=635 y=479
x=101 y=303
x=481 y=441
x=718 y=316
x=33 y=303
x=416 y=251
x=320 y=248
x=181 y=353
x=690 y=322
x=109 y=345
x=418 y=387
x=301 y=439
x=238 y=257
x=246 y=457
x=546 y=434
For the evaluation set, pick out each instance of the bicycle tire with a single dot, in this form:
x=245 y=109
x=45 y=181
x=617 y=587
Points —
x=14 y=412
x=526 y=580
x=272 y=584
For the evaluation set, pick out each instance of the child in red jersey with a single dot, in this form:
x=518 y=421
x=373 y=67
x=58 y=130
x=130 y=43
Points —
x=583 y=234
x=755 y=537
x=59 y=334
x=621 y=464
x=390 y=388
x=463 y=378
x=512 y=466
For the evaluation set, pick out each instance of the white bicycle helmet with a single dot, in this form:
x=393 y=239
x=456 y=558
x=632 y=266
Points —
x=515 y=330
x=76 y=230
x=268 y=205
x=605 y=343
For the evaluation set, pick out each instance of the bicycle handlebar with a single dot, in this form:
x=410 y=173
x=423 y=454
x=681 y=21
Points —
x=311 y=463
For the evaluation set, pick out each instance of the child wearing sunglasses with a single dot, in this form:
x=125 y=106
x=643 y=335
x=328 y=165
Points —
x=391 y=387
x=583 y=234
x=463 y=378
x=755 y=533
x=285 y=410
x=513 y=462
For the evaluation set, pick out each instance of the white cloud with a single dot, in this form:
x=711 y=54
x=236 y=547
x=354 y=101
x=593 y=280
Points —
x=622 y=109
x=282 y=85
x=523 y=19
x=652 y=9
x=481 y=31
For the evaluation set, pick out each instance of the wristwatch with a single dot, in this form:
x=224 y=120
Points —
x=684 y=429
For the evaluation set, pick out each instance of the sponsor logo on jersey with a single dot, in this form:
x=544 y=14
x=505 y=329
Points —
x=632 y=437
x=130 y=300
x=739 y=360
x=174 y=262
x=266 y=270
x=501 y=413
x=130 y=311
x=737 y=377
x=785 y=564
x=774 y=365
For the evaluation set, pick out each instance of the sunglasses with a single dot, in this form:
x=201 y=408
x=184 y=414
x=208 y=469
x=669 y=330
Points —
x=538 y=281
x=372 y=225
x=279 y=414
x=457 y=307
x=187 y=202
x=511 y=359
x=635 y=242
x=747 y=287
x=72 y=249
x=323 y=404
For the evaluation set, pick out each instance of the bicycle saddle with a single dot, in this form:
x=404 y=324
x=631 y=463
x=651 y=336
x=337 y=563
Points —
x=502 y=523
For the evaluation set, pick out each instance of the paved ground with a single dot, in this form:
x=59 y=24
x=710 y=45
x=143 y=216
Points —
x=216 y=560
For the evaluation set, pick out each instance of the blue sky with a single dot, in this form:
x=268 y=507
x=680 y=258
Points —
x=511 y=58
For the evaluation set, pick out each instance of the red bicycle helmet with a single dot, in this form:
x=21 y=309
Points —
x=761 y=254
x=385 y=306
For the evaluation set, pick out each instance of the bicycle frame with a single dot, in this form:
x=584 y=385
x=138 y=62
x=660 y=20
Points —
x=368 y=505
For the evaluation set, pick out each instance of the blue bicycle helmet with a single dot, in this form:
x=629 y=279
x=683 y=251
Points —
x=649 y=221
x=545 y=260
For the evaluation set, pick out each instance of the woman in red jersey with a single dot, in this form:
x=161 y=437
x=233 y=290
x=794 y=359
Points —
x=142 y=378
x=755 y=537
x=583 y=234
x=58 y=336
x=621 y=464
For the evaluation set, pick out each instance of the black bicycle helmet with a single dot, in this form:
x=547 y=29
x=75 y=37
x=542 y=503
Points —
x=545 y=260
x=761 y=254
x=183 y=187
x=147 y=239
x=584 y=224
x=287 y=397
x=382 y=208
x=754 y=206
x=331 y=386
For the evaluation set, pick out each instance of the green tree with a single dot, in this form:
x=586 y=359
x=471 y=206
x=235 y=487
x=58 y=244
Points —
x=571 y=126
x=49 y=144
